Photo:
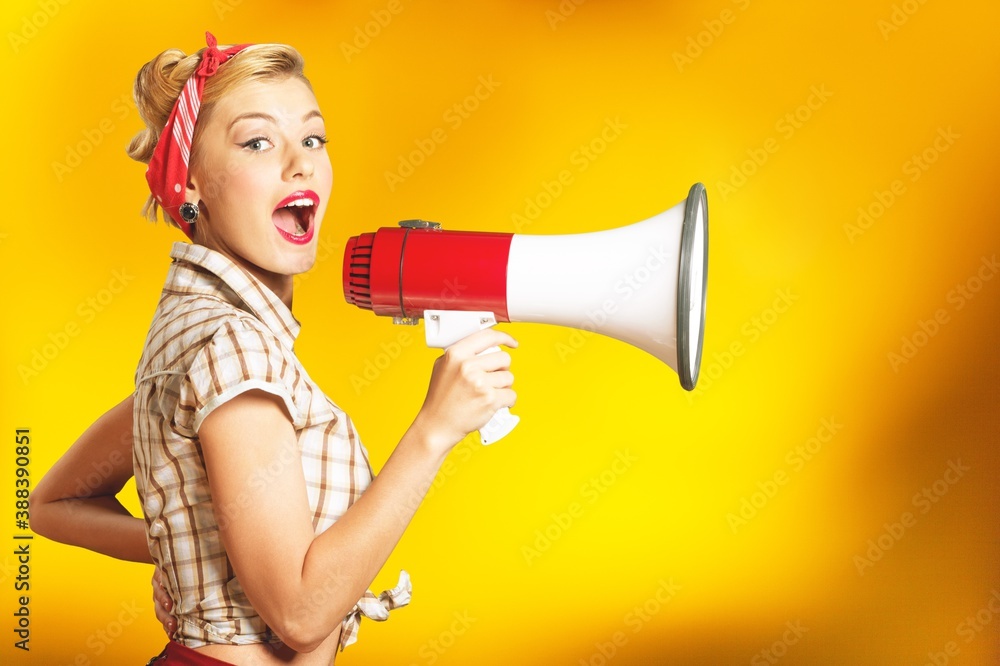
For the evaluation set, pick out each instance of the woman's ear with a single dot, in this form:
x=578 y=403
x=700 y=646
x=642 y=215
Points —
x=193 y=191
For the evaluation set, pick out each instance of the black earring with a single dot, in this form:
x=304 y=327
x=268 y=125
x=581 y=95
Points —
x=189 y=212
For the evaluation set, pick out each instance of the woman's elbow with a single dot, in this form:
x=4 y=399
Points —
x=40 y=518
x=304 y=630
x=300 y=637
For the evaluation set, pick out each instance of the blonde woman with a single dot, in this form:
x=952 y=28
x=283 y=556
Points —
x=261 y=513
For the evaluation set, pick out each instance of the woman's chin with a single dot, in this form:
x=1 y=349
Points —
x=297 y=262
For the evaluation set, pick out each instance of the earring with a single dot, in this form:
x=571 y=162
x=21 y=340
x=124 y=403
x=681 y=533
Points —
x=189 y=212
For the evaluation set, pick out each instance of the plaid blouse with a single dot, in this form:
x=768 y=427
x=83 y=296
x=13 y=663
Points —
x=217 y=332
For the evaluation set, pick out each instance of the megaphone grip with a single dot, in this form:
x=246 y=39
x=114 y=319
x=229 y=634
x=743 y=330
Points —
x=446 y=327
x=503 y=421
x=498 y=427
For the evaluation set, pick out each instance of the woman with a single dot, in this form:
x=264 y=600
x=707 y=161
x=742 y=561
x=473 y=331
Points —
x=260 y=507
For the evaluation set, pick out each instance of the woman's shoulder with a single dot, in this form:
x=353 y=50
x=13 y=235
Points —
x=183 y=324
x=214 y=354
x=201 y=341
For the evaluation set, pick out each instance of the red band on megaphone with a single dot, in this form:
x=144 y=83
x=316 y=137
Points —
x=400 y=272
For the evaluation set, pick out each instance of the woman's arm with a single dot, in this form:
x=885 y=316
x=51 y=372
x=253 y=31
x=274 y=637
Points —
x=301 y=584
x=75 y=501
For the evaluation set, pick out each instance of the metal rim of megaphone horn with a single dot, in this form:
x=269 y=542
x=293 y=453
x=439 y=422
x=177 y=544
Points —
x=695 y=209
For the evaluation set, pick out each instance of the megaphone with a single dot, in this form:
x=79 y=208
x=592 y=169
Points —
x=644 y=283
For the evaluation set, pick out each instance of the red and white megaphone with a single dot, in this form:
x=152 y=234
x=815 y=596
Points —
x=644 y=283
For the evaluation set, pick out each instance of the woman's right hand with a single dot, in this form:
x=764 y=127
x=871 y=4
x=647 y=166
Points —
x=162 y=603
x=467 y=389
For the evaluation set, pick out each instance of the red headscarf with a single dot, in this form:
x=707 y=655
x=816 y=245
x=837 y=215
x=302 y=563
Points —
x=167 y=174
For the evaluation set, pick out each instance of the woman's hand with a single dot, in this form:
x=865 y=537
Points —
x=162 y=604
x=466 y=389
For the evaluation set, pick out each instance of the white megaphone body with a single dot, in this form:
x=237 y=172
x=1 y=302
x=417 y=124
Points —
x=644 y=283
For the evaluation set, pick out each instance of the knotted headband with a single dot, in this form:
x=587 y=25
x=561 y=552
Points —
x=167 y=173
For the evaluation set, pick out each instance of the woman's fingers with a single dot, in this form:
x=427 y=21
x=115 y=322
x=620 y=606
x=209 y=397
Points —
x=507 y=398
x=162 y=604
x=502 y=379
x=493 y=361
x=482 y=340
x=470 y=382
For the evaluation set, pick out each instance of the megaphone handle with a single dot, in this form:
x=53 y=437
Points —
x=502 y=422
x=446 y=327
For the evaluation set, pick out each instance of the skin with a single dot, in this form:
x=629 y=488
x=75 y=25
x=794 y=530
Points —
x=280 y=576
x=259 y=145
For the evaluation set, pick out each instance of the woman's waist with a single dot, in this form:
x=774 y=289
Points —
x=276 y=654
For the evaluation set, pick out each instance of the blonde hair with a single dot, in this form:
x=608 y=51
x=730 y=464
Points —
x=160 y=81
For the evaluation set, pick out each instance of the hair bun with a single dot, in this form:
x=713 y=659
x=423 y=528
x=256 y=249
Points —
x=157 y=87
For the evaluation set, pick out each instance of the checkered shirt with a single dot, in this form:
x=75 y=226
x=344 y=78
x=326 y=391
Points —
x=217 y=332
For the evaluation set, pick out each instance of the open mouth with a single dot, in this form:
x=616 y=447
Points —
x=294 y=216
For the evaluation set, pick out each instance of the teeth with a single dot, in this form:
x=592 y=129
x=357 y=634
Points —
x=303 y=202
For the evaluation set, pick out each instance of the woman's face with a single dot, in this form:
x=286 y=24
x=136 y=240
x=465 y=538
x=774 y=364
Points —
x=262 y=178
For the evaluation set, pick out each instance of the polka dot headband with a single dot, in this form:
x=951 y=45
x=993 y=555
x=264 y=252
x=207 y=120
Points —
x=167 y=173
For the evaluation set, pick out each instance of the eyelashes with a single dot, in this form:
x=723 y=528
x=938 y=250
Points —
x=260 y=144
x=254 y=144
x=321 y=140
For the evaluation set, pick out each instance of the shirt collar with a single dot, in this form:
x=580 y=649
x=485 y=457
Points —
x=251 y=293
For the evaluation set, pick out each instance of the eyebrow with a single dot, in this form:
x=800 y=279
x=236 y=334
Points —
x=257 y=115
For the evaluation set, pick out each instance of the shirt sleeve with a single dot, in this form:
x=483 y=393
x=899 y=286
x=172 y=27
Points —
x=242 y=356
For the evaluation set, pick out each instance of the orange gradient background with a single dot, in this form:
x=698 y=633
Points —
x=543 y=549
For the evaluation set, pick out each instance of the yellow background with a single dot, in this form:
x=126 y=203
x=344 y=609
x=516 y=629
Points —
x=808 y=303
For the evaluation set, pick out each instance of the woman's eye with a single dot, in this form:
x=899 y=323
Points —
x=314 y=141
x=258 y=144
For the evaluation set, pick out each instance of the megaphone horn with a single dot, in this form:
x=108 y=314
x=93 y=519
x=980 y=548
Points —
x=644 y=283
